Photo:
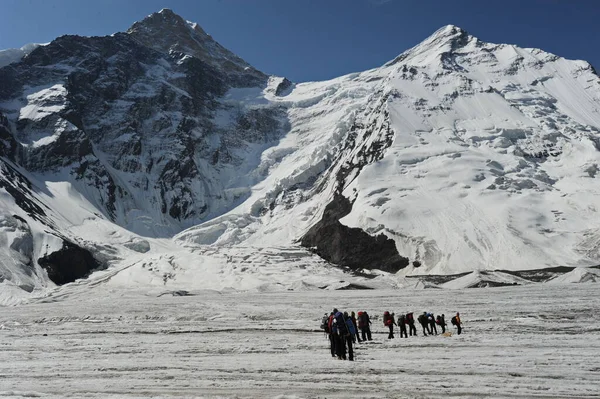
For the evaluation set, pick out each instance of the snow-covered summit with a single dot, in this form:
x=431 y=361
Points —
x=446 y=39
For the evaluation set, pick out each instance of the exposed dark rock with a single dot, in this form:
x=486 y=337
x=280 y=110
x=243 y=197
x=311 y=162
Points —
x=8 y=144
x=596 y=141
x=283 y=86
x=491 y=284
x=177 y=293
x=8 y=84
x=437 y=279
x=351 y=247
x=167 y=32
x=260 y=125
x=69 y=263
x=353 y=286
x=539 y=275
x=19 y=187
x=68 y=148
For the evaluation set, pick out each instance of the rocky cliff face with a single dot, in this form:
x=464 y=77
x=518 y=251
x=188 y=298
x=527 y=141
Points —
x=138 y=122
x=124 y=117
x=189 y=38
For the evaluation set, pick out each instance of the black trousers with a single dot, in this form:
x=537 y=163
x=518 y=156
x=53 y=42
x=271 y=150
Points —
x=350 y=350
x=424 y=329
x=459 y=328
x=357 y=335
x=412 y=329
x=366 y=334
x=403 y=331
x=391 y=334
x=433 y=328
x=332 y=344
x=340 y=346
x=443 y=328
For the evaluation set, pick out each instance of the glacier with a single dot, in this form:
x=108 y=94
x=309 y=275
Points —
x=539 y=341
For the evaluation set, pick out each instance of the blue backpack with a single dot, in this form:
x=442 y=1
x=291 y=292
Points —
x=350 y=326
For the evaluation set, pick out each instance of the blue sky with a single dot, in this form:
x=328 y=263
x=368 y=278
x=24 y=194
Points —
x=320 y=39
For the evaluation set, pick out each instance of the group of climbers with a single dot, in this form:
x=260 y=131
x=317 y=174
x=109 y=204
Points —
x=427 y=320
x=344 y=330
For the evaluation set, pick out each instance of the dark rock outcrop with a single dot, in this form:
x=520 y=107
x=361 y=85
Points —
x=283 y=86
x=69 y=263
x=351 y=247
x=8 y=144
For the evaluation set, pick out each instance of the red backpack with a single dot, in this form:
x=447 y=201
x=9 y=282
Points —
x=387 y=319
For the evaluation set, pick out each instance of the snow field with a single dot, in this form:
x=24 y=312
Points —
x=538 y=341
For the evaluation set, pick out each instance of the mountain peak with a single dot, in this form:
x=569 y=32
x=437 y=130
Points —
x=167 y=11
x=446 y=39
x=166 y=32
x=164 y=20
x=447 y=35
x=448 y=30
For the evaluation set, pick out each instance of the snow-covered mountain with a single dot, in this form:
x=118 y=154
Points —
x=468 y=155
x=156 y=150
